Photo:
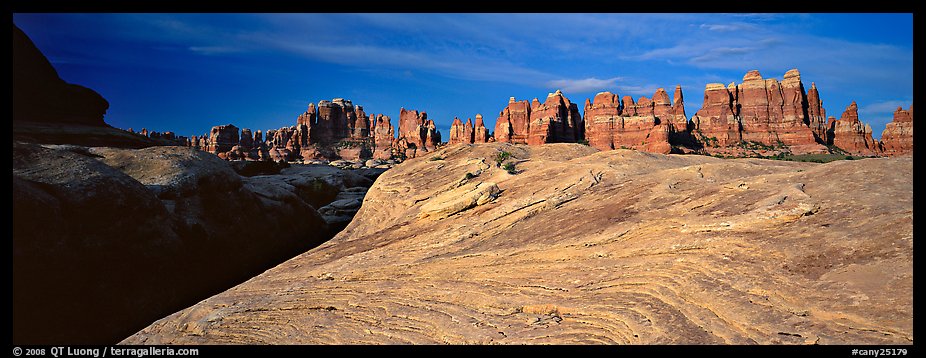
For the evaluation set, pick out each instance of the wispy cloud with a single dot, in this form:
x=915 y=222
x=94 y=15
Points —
x=640 y=90
x=781 y=46
x=214 y=50
x=728 y=27
x=446 y=64
x=723 y=53
x=584 y=85
x=619 y=85
x=882 y=108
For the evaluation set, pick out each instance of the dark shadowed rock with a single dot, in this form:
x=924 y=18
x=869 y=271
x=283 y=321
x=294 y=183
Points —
x=107 y=240
x=39 y=95
x=48 y=110
x=81 y=231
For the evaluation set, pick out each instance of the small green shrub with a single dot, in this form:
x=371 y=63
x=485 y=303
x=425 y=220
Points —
x=509 y=167
x=436 y=158
x=501 y=157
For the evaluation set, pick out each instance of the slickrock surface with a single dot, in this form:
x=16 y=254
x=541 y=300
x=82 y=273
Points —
x=580 y=246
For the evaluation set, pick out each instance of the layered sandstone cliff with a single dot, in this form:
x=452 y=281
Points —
x=556 y=120
x=648 y=125
x=761 y=112
x=851 y=135
x=513 y=122
x=897 y=137
x=335 y=129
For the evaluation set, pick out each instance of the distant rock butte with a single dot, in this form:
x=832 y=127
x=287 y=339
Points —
x=556 y=120
x=816 y=115
x=468 y=133
x=897 y=137
x=456 y=133
x=335 y=129
x=383 y=136
x=481 y=133
x=513 y=122
x=762 y=112
x=756 y=117
x=417 y=133
x=853 y=136
x=647 y=125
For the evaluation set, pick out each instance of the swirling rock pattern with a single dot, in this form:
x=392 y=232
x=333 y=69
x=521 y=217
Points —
x=579 y=246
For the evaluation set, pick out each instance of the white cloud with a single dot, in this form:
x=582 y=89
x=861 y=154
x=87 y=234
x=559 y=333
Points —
x=618 y=85
x=583 y=85
x=727 y=27
x=882 y=108
x=644 y=90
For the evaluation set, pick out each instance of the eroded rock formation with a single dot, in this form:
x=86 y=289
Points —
x=456 y=132
x=481 y=134
x=222 y=139
x=419 y=133
x=716 y=123
x=513 y=122
x=556 y=120
x=761 y=112
x=646 y=124
x=853 y=136
x=335 y=129
x=383 y=137
x=816 y=115
x=468 y=133
x=897 y=137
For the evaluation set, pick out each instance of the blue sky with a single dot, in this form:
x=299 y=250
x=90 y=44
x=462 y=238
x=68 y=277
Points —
x=188 y=72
